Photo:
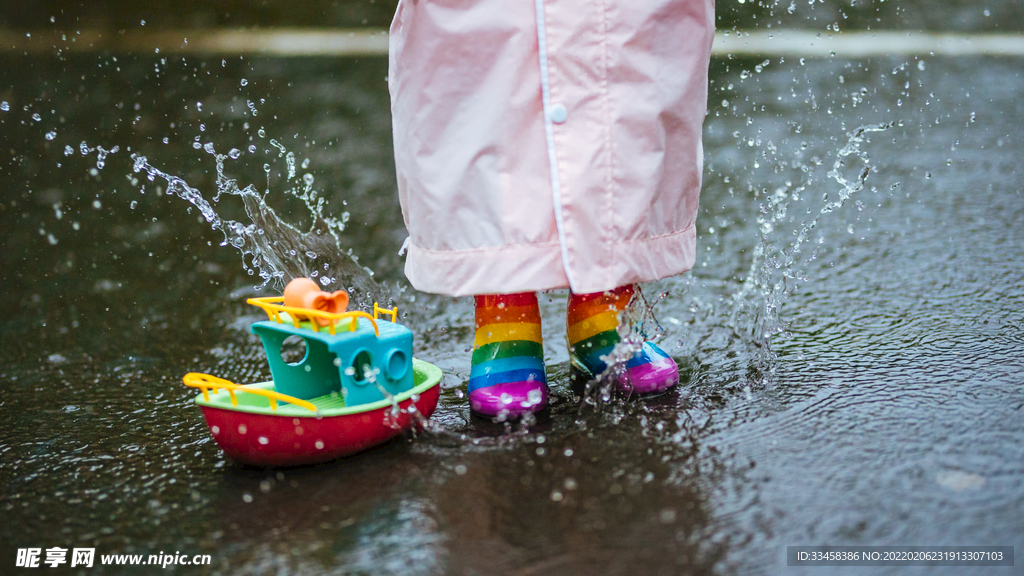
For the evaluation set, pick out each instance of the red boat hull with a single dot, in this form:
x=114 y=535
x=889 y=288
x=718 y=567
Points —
x=265 y=440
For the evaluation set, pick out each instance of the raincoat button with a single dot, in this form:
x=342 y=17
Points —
x=558 y=113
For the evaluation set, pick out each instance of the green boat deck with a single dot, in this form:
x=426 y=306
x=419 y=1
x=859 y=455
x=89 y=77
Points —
x=425 y=376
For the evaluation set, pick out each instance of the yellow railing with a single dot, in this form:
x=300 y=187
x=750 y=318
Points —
x=205 y=382
x=273 y=307
x=377 y=311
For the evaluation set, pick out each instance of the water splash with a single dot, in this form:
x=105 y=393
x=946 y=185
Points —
x=393 y=417
x=637 y=324
x=272 y=248
x=749 y=321
x=778 y=266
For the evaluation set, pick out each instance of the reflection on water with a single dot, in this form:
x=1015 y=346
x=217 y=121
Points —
x=891 y=385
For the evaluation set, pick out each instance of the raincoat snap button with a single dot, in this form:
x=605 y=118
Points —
x=558 y=113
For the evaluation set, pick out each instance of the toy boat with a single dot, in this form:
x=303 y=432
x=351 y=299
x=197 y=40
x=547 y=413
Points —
x=357 y=386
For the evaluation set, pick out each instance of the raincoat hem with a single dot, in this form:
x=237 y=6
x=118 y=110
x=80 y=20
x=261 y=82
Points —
x=486 y=270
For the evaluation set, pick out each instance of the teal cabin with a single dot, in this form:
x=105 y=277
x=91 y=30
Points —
x=359 y=364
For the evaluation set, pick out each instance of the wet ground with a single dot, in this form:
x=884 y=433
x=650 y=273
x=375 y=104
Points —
x=855 y=381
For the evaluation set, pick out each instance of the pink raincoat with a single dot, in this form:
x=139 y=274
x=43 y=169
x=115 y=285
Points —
x=548 y=144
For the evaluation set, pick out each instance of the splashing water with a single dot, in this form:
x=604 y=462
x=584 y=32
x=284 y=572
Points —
x=777 y=266
x=271 y=247
x=393 y=418
x=637 y=324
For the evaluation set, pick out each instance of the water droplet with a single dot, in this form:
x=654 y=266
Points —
x=208 y=147
x=308 y=179
x=319 y=444
x=37 y=117
x=245 y=82
x=461 y=469
x=234 y=153
x=199 y=106
x=51 y=134
x=262 y=132
x=197 y=145
x=290 y=162
x=252 y=148
x=5 y=106
x=242 y=429
x=68 y=150
x=264 y=440
x=920 y=65
x=247 y=498
x=534 y=398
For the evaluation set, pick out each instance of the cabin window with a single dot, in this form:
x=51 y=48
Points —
x=294 y=350
x=398 y=364
x=362 y=362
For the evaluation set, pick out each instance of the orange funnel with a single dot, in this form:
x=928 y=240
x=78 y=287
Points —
x=304 y=293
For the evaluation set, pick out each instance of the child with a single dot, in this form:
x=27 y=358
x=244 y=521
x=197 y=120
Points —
x=548 y=144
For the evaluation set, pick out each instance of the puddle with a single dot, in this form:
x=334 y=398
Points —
x=850 y=338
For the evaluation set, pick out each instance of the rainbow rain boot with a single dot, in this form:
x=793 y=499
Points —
x=507 y=378
x=592 y=321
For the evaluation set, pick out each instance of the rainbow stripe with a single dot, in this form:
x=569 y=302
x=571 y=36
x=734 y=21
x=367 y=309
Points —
x=508 y=349
x=592 y=320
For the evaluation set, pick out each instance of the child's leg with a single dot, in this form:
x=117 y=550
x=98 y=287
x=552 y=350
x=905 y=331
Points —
x=508 y=356
x=592 y=322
